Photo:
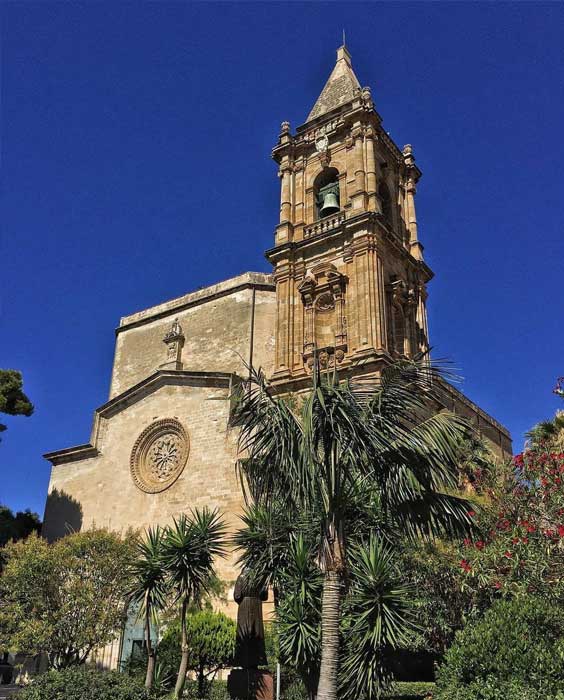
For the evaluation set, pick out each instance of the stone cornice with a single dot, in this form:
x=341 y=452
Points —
x=248 y=280
x=273 y=255
x=160 y=378
x=459 y=396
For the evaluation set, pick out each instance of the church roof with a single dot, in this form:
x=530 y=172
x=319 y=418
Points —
x=339 y=89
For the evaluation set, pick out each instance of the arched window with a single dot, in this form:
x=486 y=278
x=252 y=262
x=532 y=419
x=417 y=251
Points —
x=386 y=202
x=326 y=192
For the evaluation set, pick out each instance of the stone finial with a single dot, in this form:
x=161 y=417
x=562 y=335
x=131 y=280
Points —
x=407 y=150
x=284 y=128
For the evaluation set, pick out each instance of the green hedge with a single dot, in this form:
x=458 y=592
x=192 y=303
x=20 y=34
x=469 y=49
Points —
x=85 y=684
x=410 y=691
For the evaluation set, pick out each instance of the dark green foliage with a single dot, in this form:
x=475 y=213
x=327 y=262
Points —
x=82 y=684
x=410 y=691
x=432 y=570
x=12 y=399
x=490 y=689
x=517 y=641
x=211 y=643
x=18 y=526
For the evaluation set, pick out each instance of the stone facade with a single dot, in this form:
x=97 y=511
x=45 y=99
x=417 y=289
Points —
x=349 y=282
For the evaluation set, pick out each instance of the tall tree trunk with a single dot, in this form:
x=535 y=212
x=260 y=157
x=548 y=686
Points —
x=181 y=680
x=330 y=617
x=151 y=652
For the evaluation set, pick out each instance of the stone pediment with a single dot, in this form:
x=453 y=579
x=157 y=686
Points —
x=160 y=378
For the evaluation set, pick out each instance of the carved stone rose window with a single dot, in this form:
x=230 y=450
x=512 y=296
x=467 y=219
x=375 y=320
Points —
x=159 y=455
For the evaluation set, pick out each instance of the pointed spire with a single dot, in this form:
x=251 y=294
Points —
x=340 y=88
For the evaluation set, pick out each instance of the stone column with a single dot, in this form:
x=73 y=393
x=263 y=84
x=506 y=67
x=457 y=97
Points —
x=358 y=161
x=416 y=248
x=285 y=175
x=373 y=202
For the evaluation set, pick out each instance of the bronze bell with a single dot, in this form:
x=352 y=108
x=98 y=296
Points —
x=330 y=204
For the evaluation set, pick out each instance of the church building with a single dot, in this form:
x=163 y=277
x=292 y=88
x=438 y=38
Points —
x=348 y=282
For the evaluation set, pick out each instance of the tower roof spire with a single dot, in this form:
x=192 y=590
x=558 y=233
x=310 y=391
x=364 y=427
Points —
x=341 y=86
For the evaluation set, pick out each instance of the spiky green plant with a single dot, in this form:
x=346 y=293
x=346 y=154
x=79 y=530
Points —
x=190 y=547
x=150 y=588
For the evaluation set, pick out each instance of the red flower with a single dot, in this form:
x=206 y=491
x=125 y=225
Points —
x=525 y=540
x=497 y=585
x=471 y=513
x=465 y=566
x=508 y=554
x=467 y=542
x=515 y=540
x=480 y=545
x=561 y=531
x=549 y=533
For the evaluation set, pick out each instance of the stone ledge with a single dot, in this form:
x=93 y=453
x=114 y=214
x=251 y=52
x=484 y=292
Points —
x=257 y=280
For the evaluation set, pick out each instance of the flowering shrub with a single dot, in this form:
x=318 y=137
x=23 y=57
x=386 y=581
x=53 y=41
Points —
x=522 y=545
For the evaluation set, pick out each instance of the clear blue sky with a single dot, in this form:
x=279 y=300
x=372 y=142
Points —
x=136 y=166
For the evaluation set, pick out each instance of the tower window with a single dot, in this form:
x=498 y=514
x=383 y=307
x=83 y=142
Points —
x=386 y=202
x=326 y=190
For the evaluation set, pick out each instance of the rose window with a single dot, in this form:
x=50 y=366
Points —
x=159 y=455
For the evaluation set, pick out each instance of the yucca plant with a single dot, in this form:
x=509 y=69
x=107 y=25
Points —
x=378 y=618
x=150 y=588
x=377 y=434
x=190 y=547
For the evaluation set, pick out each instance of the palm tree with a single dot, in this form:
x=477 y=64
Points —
x=548 y=434
x=150 y=588
x=190 y=547
x=375 y=433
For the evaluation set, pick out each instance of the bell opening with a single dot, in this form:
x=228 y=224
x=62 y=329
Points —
x=327 y=193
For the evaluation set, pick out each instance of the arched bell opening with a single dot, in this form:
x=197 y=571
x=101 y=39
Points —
x=326 y=191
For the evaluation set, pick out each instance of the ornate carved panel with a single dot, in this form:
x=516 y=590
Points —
x=159 y=455
x=325 y=329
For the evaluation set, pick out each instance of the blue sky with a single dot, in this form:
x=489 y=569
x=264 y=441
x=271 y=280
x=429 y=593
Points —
x=136 y=166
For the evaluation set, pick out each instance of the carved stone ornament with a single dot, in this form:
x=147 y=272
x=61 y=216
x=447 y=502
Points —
x=159 y=455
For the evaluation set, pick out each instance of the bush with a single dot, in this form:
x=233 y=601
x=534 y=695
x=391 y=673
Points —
x=491 y=689
x=84 y=684
x=411 y=691
x=217 y=690
x=519 y=642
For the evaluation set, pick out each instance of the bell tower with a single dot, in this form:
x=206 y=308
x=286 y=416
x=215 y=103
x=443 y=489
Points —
x=348 y=265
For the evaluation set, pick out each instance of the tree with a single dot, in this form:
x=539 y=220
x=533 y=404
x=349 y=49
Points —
x=13 y=401
x=548 y=435
x=189 y=549
x=375 y=434
x=17 y=526
x=150 y=588
x=64 y=599
x=211 y=643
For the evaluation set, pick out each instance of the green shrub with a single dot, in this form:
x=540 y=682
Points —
x=410 y=691
x=491 y=689
x=217 y=690
x=519 y=642
x=84 y=684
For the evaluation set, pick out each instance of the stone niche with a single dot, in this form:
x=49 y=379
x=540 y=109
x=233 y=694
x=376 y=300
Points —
x=323 y=292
